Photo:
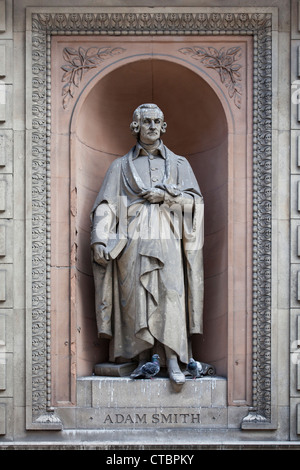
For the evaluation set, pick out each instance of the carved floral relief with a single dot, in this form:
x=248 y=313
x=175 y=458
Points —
x=225 y=63
x=79 y=62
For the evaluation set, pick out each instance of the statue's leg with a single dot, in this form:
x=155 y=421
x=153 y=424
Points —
x=174 y=370
x=143 y=358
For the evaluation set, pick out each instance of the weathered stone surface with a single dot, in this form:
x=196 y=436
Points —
x=122 y=402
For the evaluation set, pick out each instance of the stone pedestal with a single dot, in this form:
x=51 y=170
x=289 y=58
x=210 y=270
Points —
x=107 y=403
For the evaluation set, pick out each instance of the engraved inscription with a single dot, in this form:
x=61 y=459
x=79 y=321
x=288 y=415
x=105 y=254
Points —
x=152 y=418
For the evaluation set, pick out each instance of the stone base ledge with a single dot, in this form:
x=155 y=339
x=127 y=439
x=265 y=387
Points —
x=119 y=392
x=108 y=402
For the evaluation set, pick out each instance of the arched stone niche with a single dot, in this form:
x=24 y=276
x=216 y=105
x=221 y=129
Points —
x=197 y=128
x=206 y=126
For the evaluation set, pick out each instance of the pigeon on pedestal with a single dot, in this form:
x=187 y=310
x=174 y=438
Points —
x=195 y=368
x=150 y=369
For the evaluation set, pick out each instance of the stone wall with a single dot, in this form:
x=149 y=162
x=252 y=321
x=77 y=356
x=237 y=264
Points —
x=37 y=360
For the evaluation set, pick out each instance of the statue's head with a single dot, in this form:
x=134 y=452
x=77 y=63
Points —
x=148 y=123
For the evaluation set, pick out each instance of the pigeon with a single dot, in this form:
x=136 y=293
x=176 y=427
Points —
x=195 y=368
x=150 y=369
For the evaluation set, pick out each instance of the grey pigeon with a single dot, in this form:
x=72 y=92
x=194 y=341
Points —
x=150 y=369
x=195 y=368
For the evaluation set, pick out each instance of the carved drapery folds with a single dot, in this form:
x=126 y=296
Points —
x=46 y=24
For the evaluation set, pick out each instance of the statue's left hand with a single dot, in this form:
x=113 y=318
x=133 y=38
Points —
x=154 y=195
x=101 y=255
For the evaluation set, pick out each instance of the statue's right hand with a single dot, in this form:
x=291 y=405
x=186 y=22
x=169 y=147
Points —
x=101 y=254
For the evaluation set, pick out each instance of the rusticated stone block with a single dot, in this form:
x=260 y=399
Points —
x=2 y=196
x=2 y=419
x=2 y=240
x=2 y=16
x=2 y=103
x=6 y=145
x=2 y=331
x=6 y=286
x=2 y=286
x=2 y=61
x=5 y=196
x=2 y=372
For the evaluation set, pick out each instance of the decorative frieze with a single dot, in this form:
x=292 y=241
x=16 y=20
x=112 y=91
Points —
x=295 y=247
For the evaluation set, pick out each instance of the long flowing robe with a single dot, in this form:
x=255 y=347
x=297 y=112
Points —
x=153 y=290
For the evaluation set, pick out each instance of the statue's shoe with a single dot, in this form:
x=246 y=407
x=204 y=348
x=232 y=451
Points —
x=176 y=375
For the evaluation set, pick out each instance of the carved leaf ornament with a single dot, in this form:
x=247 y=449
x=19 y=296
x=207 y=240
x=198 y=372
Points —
x=81 y=61
x=224 y=62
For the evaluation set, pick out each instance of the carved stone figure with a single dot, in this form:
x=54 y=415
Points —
x=147 y=246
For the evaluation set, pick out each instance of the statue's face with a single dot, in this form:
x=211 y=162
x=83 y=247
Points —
x=150 y=126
